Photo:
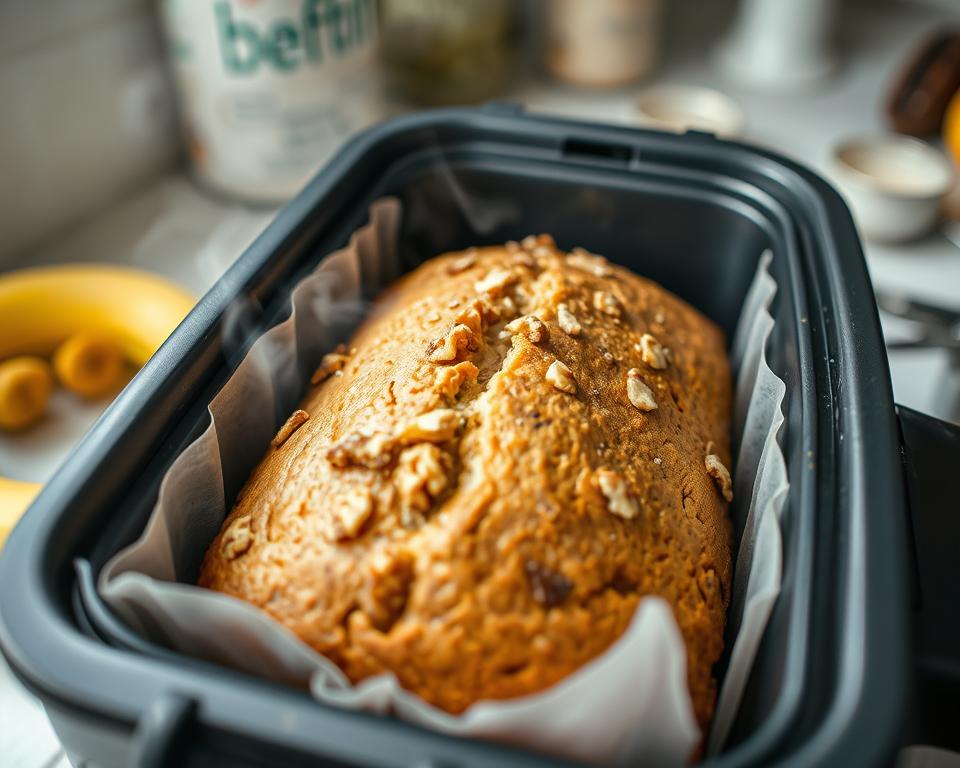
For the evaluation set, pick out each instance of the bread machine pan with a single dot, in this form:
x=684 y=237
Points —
x=690 y=211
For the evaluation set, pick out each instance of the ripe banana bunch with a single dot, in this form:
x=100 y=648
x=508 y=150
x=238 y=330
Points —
x=42 y=308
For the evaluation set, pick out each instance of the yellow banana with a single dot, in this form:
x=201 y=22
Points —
x=15 y=497
x=89 y=364
x=42 y=307
x=25 y=386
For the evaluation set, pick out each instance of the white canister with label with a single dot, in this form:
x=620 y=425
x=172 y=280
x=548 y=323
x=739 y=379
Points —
x=270 y=88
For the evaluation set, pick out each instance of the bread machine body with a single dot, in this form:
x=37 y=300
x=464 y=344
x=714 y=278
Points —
x=691 y=212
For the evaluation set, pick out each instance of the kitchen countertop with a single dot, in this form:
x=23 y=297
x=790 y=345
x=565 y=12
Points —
x=176 y=229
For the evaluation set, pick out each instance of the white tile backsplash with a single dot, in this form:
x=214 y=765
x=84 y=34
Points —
x=86 y=113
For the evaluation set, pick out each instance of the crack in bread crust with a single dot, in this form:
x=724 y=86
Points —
x=490 y=557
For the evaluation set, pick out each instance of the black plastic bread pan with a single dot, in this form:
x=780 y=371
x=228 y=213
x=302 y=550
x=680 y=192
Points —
x=831 y=681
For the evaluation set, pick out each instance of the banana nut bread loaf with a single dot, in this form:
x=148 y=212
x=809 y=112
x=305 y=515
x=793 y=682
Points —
x=518 y=445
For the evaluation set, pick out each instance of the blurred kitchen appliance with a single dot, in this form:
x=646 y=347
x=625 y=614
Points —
x=779 y=43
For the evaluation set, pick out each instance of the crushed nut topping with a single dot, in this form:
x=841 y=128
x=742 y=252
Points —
x=450 y=378
x=530 y=326
x=237 y=539
x=371 y=451
x=589 y=262
x=567 y=320
x=508 y=306
x=614 y=488
x=607 y=303
x=376 y=451
x=512 y=246
x=532 y=241
x=463 y=263
x=471 y=317
x=421 y=475
x=297 y=419
x=720 y=475
x=447 y=348
x=609 y=358
x=524 y=259
x=352 y=512
x=329 y=364
x=434 y=426
x=639 y=393
x=542 y=251
x=651 y=352
x=453 y=303
x=659 y=318
x=495 y=282
x=657 y=460
x=561 y=377
x=433 y=317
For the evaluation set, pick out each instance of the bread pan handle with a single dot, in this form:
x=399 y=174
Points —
x=159 y=737
x=931 y=463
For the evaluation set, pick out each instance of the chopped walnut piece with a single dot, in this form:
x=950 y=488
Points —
x=512 y=246
x=659 y=318
x=720 y=475
x=639 y=393
x=546 y=240
x=329 y=364
x=471 y=317
x=421 y=475
x=508 y=305
x=608 y=358
x=371 y=451
x=614 y=488
x=568 y=323
x=352 y=511
x=450 y=378
x=524 y=259
x=297 y=419
x=463 y=263
x=561 y=377
x=386 y=585
x=607 y=303
x=447 y=348
x=435 y=426
x=237 y=538
x=652 y=353
x=530 y=326
x=478 y=314
x=529 y=242
x=495 y=282
x=589 y=262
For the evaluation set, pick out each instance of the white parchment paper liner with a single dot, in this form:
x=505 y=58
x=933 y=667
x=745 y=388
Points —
x=629 y=705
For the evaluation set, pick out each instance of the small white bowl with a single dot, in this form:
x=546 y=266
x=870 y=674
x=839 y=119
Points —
x=684 y=107
x=894 y=185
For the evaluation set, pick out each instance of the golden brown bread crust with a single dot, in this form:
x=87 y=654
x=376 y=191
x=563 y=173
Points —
x=494 y=545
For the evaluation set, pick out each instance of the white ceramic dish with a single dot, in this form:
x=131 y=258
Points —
x=683 y=107
x=894 y=184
